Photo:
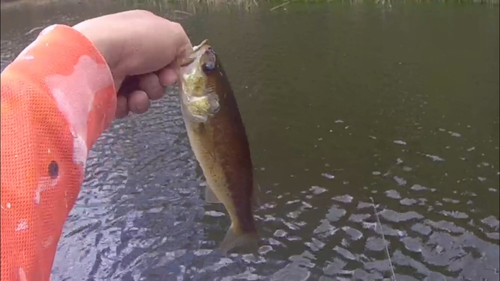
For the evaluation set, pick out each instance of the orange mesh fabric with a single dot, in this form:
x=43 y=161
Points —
x=57 y=97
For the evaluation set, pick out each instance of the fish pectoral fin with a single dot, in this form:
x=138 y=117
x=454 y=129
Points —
x=201 y=108
x=214 y=105
x=248 y=242
x=210 y=196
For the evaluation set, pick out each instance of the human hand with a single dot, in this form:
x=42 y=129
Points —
x=143 y=52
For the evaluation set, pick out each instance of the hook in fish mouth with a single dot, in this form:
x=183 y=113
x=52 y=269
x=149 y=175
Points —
x=194 y=53
x=203 y=43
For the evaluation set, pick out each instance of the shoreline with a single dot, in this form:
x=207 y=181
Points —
x=14 y=4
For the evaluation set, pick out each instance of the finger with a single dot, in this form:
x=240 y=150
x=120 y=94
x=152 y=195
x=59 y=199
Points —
x=121 y=107
x=168 y=76
x=138 y=102
x=150 y=83
x=129 y=84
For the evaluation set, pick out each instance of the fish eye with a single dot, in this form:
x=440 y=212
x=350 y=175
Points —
x=209 y=65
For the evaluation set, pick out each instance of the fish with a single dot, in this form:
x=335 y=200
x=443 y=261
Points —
x=219 y=141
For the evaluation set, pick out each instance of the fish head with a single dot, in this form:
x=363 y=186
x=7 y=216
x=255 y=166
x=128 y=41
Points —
x=199 y=76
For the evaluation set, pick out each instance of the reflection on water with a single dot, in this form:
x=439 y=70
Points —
x=342 y=103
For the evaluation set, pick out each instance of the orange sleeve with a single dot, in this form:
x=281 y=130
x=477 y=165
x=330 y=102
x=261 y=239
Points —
x=57 y=97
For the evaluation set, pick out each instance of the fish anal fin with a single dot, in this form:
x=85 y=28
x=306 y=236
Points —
x=210 y=196
x=257 y=196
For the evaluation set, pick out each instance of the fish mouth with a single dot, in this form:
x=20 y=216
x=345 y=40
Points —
x=195 y=53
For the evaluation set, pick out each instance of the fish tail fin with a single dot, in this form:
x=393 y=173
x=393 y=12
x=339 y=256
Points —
x=249 y=241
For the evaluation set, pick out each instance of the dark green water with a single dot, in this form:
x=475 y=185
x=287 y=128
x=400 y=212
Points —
x=341 y=103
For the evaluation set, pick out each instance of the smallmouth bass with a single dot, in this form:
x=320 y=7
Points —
x=218 y=139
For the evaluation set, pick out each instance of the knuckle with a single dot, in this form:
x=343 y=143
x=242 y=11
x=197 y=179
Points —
x=177 y=28
x=143 y=12
x=148 y=80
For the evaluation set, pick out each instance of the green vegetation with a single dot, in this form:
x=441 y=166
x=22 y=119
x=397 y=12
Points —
x=5 y=4
x=190 y=7
x=284 y=2
x=246 y=3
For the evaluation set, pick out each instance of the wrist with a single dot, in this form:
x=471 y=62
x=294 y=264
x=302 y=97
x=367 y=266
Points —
x=104 y=42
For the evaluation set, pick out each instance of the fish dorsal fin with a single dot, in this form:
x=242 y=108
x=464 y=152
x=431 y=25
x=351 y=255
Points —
x=210 y=196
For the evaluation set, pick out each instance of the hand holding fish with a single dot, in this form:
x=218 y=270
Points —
x=143 y=52
x=58 y=97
